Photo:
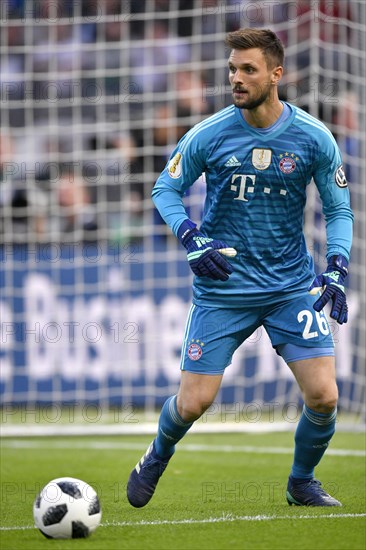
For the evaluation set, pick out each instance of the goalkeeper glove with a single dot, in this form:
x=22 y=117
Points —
x=331 y=281
x=202 y=253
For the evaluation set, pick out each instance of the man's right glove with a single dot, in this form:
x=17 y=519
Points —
x=331 y=281
x=202 y=253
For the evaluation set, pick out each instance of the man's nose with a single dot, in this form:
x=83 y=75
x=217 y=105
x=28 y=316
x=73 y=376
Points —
x=237 y=77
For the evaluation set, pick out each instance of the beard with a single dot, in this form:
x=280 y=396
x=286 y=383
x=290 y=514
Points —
x=252 y=102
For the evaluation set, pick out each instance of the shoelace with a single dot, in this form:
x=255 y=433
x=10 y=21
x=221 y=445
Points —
x=318 y=483
x=152 y=462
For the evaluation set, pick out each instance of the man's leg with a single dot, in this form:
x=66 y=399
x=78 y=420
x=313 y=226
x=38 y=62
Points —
x=317 y=381
x=211 y=337
x=196 y=393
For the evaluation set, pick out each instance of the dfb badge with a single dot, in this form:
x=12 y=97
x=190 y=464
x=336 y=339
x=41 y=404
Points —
x=175 y=166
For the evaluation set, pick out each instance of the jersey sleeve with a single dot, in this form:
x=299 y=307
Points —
x=185 y=166
x=331 y=182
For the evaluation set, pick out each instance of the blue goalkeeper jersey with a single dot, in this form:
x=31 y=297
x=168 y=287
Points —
x=255 y=198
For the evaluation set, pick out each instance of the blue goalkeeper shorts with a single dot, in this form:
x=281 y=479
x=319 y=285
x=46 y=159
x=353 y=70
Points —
x=296 y=332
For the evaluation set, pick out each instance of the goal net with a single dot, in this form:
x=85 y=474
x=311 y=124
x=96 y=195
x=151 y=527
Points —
x=94 y=96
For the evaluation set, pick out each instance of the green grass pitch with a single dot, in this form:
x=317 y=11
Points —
x=219 y=492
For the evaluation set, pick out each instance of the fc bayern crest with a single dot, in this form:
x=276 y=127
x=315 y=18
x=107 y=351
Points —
x=287 y=165
x=194 y=352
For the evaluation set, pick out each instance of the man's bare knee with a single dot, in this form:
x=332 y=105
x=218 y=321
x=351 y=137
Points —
x=324 y=400
x=196 y=394
x=191 y=410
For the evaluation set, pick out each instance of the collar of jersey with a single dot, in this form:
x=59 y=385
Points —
x=270 y=135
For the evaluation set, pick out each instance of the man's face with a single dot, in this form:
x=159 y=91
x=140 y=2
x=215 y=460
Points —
x=251 y=80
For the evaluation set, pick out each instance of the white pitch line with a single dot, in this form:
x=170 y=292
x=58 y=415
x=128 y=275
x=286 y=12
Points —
x=188 y=447
x=229 y=518
x=223 y=519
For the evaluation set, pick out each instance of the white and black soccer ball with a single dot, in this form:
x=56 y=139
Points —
x=67 y=508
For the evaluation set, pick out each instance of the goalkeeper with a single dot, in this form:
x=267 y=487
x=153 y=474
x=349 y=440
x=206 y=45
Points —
x=250 y=260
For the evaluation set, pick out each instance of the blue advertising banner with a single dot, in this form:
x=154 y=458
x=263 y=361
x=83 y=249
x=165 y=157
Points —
x=93 y=322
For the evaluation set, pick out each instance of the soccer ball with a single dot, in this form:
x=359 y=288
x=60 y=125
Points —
x=67 y=508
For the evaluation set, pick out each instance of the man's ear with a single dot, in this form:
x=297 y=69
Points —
x=276 y=75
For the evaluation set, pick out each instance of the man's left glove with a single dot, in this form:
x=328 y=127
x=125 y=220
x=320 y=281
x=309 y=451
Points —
x=202 y=253
x=331 y=281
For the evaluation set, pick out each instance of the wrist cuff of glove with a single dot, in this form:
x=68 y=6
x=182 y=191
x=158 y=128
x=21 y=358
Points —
x=339 y=262
x=185 y=228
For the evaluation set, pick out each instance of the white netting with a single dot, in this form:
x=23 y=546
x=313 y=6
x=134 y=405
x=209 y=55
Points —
x=94 y=96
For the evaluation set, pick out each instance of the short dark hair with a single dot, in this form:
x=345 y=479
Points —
x=264 y=39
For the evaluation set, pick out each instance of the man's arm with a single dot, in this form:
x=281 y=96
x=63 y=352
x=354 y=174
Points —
x=169 y=203
x=332 y=185
x=205 y=255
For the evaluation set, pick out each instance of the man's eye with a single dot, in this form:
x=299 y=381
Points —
x=232 y=69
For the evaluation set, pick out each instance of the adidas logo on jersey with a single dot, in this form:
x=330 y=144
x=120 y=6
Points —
x=233 y=161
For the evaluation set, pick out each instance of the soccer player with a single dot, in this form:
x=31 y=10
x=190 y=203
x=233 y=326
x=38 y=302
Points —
x=258 y=155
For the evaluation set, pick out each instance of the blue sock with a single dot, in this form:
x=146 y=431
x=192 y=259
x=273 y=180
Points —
x=312 y=437
x=171 y=428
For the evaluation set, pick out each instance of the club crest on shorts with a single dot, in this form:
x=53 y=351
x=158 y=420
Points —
x=195 y=350
x=175 y=166
x=261 y=158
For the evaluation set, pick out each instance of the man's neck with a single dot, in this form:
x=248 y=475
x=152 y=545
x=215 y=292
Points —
x=265 y=115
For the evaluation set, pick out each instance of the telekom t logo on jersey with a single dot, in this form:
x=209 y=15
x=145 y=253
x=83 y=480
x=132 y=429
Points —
x=245 y=184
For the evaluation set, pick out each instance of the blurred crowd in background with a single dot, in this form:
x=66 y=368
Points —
x=95 y=94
